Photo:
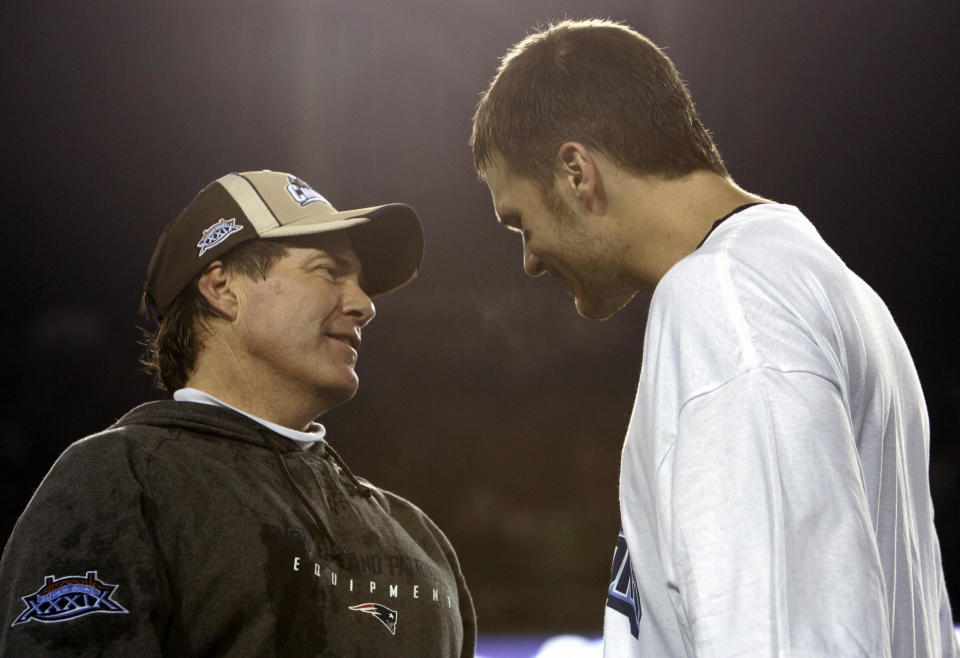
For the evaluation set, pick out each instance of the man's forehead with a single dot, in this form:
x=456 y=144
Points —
x=495 y=173
x=500 y=182
x=510 y=192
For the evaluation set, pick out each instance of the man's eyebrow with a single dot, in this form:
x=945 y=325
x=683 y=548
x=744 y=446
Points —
x=342 y=262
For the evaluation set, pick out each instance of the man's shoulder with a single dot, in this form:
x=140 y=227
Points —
x=136 y=438
x=774 y=242
x=407 y=513
x=128 y=433
x=756 y=292
x=393 y=502
x=760 y=251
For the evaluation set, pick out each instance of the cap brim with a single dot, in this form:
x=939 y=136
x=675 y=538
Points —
x=387 y=239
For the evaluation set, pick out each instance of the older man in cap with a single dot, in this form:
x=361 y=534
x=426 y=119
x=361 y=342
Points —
x=222 y=522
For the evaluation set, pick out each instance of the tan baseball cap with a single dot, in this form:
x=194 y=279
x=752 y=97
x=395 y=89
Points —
x=249 y=205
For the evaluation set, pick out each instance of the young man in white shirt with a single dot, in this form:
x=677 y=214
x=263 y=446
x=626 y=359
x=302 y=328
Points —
x=774 y=491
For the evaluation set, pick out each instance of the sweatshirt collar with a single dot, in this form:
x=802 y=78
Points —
x=305 y=440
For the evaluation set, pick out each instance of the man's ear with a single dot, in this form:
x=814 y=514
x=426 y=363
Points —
x=216 y=286
x=579 y=173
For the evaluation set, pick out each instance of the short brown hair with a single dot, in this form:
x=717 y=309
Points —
x=173 y=345
x=599 y=83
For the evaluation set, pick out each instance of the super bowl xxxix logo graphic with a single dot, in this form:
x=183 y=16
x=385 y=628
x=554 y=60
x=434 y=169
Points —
x=66 y=598
x=217 y=233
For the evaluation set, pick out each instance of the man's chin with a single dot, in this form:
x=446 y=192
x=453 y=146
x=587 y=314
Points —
x=336 y=394
x=600 y=309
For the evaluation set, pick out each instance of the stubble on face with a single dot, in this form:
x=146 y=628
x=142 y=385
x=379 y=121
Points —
x=604 y=304
x=561 y=242
x=598 y=287
x=293 y=318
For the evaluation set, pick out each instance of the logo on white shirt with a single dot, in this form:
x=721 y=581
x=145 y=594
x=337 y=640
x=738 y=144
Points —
x=622 y=595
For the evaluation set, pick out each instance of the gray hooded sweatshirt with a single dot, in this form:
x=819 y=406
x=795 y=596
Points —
x=187 y=529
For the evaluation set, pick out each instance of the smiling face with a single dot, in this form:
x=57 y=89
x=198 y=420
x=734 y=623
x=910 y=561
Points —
x=299 y=328
x=562 y=243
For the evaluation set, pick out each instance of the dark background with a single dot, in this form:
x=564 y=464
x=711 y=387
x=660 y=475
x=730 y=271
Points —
x=484 y=398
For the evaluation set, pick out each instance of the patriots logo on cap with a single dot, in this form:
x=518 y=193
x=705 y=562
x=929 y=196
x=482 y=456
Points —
x=303 y=193
x=386 y=616
x=67 y=598
x=217 y=233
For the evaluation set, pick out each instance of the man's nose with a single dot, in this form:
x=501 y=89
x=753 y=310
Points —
x=358 y=304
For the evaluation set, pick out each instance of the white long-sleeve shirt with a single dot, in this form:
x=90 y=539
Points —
x=774 y=483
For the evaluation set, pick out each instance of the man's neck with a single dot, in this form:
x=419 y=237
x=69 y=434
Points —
x=254 y=392
x=665 y=220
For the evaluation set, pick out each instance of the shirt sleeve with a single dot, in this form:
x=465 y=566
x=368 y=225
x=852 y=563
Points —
x=770 y=545
x=80 y=574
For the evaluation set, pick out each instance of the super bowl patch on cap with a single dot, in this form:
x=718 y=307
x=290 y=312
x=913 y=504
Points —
x=217 y=233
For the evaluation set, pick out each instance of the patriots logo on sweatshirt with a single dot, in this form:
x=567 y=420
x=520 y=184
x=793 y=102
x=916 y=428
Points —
x=386 y=616
x=69 y=597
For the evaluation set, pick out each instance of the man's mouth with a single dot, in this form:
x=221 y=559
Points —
x=350 y=339
x=566 y=284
